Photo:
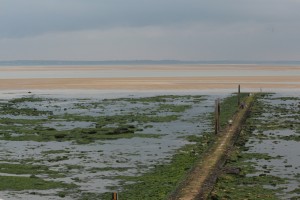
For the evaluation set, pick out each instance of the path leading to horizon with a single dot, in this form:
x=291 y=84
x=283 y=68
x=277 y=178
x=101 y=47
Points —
x=202 y=177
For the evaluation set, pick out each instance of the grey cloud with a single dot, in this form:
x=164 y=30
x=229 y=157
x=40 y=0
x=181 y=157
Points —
x=19 y=18
x=149 y=29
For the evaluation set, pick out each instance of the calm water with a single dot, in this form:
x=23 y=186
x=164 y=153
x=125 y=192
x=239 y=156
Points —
x=116 y=73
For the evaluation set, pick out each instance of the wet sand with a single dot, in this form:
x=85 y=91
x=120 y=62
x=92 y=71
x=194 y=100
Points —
x=167 y=83
x=217 y=81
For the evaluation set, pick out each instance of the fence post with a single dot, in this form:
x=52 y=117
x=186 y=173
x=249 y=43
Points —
x=216 y=116
x=114 y=196
x=239 y=95
x=219 y=113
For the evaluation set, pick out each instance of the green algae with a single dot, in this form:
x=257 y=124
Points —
x=30 y=98
x=32 y=130
x=173 y=108
x=235 y=187
x=162 y=180
x=28 y=169
x=55 y=152
x=159 y=182
x=107 y=126
x=32 y=126
x=248 y=182
x=14 y=183
x=97 y=169
x=290 y=137
x=160 y=99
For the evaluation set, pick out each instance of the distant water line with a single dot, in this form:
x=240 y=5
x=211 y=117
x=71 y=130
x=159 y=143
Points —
x=140 y=73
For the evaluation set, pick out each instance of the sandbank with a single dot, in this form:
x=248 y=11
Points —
x=238 y=74
x=150 y=83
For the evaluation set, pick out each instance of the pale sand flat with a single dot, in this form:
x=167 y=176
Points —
x=154 y=83
x=150 y=83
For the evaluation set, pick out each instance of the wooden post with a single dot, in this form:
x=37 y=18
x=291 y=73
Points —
x=219 y=113
x=239 y=95
x=114 y=196
x=216 y=116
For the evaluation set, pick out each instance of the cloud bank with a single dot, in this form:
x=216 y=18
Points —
x=150 y=29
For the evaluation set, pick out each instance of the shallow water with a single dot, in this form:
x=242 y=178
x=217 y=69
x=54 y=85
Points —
x=141 y=73
x=134 y=156
x=286 y=157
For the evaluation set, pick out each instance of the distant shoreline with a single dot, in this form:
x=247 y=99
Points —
x=140 y=62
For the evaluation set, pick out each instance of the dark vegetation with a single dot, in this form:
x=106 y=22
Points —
x=18 y=125
x=243 y=177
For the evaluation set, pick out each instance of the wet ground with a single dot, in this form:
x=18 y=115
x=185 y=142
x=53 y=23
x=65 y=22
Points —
x=268 y=167
x=279 y=140
x=29 y=121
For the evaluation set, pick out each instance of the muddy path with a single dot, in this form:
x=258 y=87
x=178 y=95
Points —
x=200 y=180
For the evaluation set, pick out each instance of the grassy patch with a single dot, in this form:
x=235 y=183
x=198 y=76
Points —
x=229 y=107
x=235 y=187
x=29 y=183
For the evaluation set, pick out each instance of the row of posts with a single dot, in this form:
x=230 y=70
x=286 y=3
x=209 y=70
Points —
x=218 y=110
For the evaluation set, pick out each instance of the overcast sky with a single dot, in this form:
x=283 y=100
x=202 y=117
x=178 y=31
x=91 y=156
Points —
x=150 y=29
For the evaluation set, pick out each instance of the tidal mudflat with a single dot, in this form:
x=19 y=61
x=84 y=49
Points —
x=83 y=148
x=265 y=164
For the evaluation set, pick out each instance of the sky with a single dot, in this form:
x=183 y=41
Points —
x=195 y=30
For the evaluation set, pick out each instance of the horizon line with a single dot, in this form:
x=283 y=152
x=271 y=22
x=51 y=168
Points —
x=141 y=62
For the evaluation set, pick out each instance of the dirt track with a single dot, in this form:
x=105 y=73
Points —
x=202 y=177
